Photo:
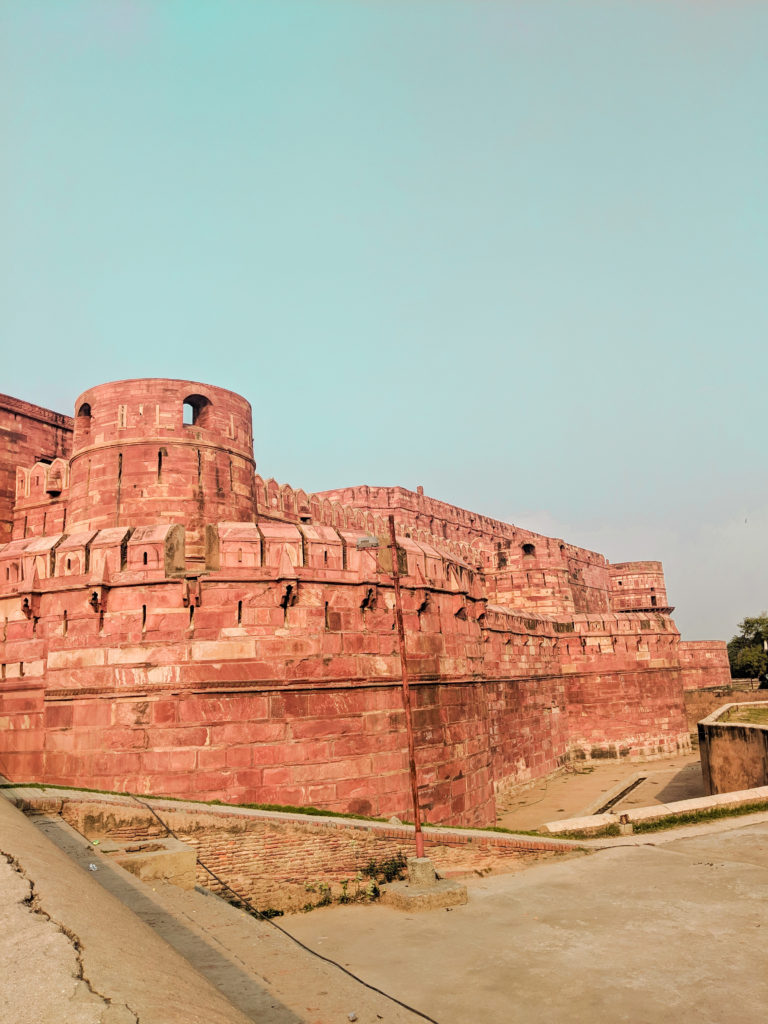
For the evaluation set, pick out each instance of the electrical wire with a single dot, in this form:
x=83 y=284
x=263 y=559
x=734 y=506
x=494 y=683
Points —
x=261 y=917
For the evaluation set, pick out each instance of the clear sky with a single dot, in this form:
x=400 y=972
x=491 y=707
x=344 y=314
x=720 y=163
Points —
x=512 y=251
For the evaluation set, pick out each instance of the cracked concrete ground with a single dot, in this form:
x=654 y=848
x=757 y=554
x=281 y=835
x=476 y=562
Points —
x=171 y=955
x=71 y=953
x=646 y=929
x=42 y=969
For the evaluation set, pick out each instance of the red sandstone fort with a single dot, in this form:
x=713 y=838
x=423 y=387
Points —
x=170 y=623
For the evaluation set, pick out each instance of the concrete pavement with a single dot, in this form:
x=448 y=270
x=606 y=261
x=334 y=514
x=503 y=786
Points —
x=635 y=934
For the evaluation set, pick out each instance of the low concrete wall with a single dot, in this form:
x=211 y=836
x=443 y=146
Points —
x=734 y=755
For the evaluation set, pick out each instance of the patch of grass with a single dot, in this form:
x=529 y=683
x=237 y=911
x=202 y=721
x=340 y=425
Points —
x=602 y=833
x=284 y=808
x=317 y=812
x=696 y=817
x=388 y=869
x=747 y=716
x=671 y=821
x=76 y=789
x=499 y=828
x=376 y=872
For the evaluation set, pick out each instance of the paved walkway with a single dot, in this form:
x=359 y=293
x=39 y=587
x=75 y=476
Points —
x=636 y=934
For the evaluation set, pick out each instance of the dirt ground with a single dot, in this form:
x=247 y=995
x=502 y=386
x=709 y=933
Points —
x=579 y=790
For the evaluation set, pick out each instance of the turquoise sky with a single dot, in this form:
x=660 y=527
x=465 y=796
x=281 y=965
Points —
x=514 y=252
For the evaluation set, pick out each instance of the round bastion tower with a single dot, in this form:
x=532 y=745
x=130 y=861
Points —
x=158 y=451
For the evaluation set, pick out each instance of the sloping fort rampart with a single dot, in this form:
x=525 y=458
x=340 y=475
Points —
x=170 y=623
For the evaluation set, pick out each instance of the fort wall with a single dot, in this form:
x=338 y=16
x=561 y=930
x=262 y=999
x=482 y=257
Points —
x=704 y=663
x=171 y=623
x=28 y=433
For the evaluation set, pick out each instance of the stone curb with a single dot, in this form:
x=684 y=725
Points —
x=595 y=822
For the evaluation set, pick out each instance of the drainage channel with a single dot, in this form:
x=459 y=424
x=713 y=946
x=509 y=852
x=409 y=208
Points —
x=620 y=796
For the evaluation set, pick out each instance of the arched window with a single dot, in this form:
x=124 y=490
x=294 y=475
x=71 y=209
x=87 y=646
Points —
x=196 y=411
x=529 y=549
x=83 y=421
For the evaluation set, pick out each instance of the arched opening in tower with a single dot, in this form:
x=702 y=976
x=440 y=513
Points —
x=196 y=411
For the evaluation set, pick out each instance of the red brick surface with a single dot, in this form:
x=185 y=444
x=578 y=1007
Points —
x=171 y=623
x=277 y=860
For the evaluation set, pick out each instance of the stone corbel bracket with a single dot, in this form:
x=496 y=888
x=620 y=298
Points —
x=191 y=593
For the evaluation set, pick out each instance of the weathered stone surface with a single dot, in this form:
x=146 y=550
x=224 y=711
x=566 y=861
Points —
x=734 y=754
x=172 y=623
x=421 y=872
x=156 y=859
x=435 y=896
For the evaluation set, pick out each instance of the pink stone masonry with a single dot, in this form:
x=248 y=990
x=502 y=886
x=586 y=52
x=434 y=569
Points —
x=171 y=623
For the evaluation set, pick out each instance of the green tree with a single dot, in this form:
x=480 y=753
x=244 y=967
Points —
x=748 y=650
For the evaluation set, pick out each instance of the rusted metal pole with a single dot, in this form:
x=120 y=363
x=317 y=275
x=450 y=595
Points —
x=406 y=690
